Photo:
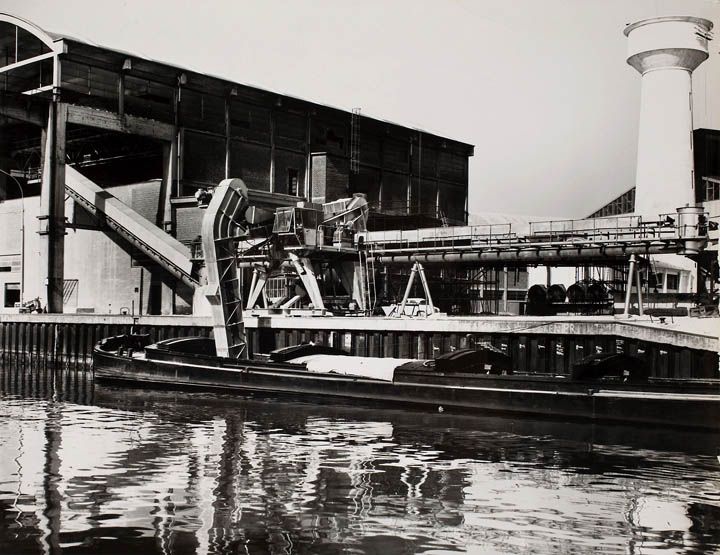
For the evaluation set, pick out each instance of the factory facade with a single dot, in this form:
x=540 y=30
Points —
x=156 y=137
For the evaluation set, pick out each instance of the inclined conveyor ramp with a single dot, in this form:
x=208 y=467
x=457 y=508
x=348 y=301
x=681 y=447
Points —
x=163 y=249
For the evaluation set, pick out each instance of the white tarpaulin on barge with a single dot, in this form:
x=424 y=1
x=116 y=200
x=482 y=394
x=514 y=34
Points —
x=362 y=367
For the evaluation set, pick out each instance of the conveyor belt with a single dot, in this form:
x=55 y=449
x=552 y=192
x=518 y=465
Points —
x=162 y=248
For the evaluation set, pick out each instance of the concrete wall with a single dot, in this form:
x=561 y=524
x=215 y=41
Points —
x=686 y=348
x=108 y=280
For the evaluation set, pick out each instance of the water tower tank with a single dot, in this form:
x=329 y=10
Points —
x=666 y=50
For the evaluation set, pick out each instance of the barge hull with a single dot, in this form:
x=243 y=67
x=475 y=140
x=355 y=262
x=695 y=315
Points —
x=476 y=393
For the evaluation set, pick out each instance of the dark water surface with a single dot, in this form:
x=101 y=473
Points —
x=88 y=469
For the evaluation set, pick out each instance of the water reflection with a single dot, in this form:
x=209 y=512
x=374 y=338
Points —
x=86 y=469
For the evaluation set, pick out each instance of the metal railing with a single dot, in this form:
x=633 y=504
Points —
x=441 y=236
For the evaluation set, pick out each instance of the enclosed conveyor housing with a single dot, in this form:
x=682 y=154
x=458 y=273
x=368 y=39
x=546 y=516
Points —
x=162 y=248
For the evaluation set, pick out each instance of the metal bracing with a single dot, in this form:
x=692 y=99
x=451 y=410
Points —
x=417 y=269
x=305 y=272
x=257 y=286
x=222 y=227
x=634 y=274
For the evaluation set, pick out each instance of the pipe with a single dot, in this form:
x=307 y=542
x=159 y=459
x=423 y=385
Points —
x=532 y=256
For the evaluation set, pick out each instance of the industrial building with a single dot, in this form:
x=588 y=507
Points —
x=107 y=160
x=156 y=137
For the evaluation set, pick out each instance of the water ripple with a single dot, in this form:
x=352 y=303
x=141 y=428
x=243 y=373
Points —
x=105 y=469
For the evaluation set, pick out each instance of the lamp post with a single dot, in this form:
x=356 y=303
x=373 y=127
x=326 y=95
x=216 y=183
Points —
x=22 y=234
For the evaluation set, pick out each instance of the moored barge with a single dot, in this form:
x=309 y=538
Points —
x=602 y=388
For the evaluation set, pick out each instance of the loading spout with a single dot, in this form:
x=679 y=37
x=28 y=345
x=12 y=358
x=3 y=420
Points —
x=163 y=249
x=223 y=225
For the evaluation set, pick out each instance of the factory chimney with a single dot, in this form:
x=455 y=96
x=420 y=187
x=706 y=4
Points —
x=666 y=50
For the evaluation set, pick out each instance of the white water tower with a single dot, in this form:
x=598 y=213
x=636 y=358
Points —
x=666 y=50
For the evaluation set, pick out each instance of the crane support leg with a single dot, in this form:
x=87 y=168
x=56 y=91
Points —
x=351 y=278
x=413 y=271
x=418 y=269
x=628 y=288
x=257 y=287
x=305 y=272
x=634 y=275
x=426 y=288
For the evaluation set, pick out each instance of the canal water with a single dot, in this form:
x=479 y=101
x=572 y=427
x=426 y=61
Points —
x=90 y=469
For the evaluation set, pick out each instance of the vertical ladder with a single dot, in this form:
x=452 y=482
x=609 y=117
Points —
x=355 y=141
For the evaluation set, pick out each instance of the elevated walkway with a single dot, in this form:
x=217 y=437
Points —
x=555 y=242
x=163 y=249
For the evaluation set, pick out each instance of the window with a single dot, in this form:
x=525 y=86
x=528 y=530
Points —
x=516 y=295
x=251 y=163
x=289 y=172
x=673 y=281
x=203 y=158
x=712 y=189
x=655 y=281
x=277 y=287
x=12 y=294
x=328 y=136
x=249 y=122
x=292 y=182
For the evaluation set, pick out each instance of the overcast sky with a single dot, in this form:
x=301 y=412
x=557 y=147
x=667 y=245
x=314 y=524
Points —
x=541 y=88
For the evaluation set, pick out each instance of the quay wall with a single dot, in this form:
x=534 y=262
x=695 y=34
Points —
x=549 y=345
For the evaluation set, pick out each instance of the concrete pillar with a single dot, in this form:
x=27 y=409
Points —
x=52 y=207
x=666 y=50
x=170 y=174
